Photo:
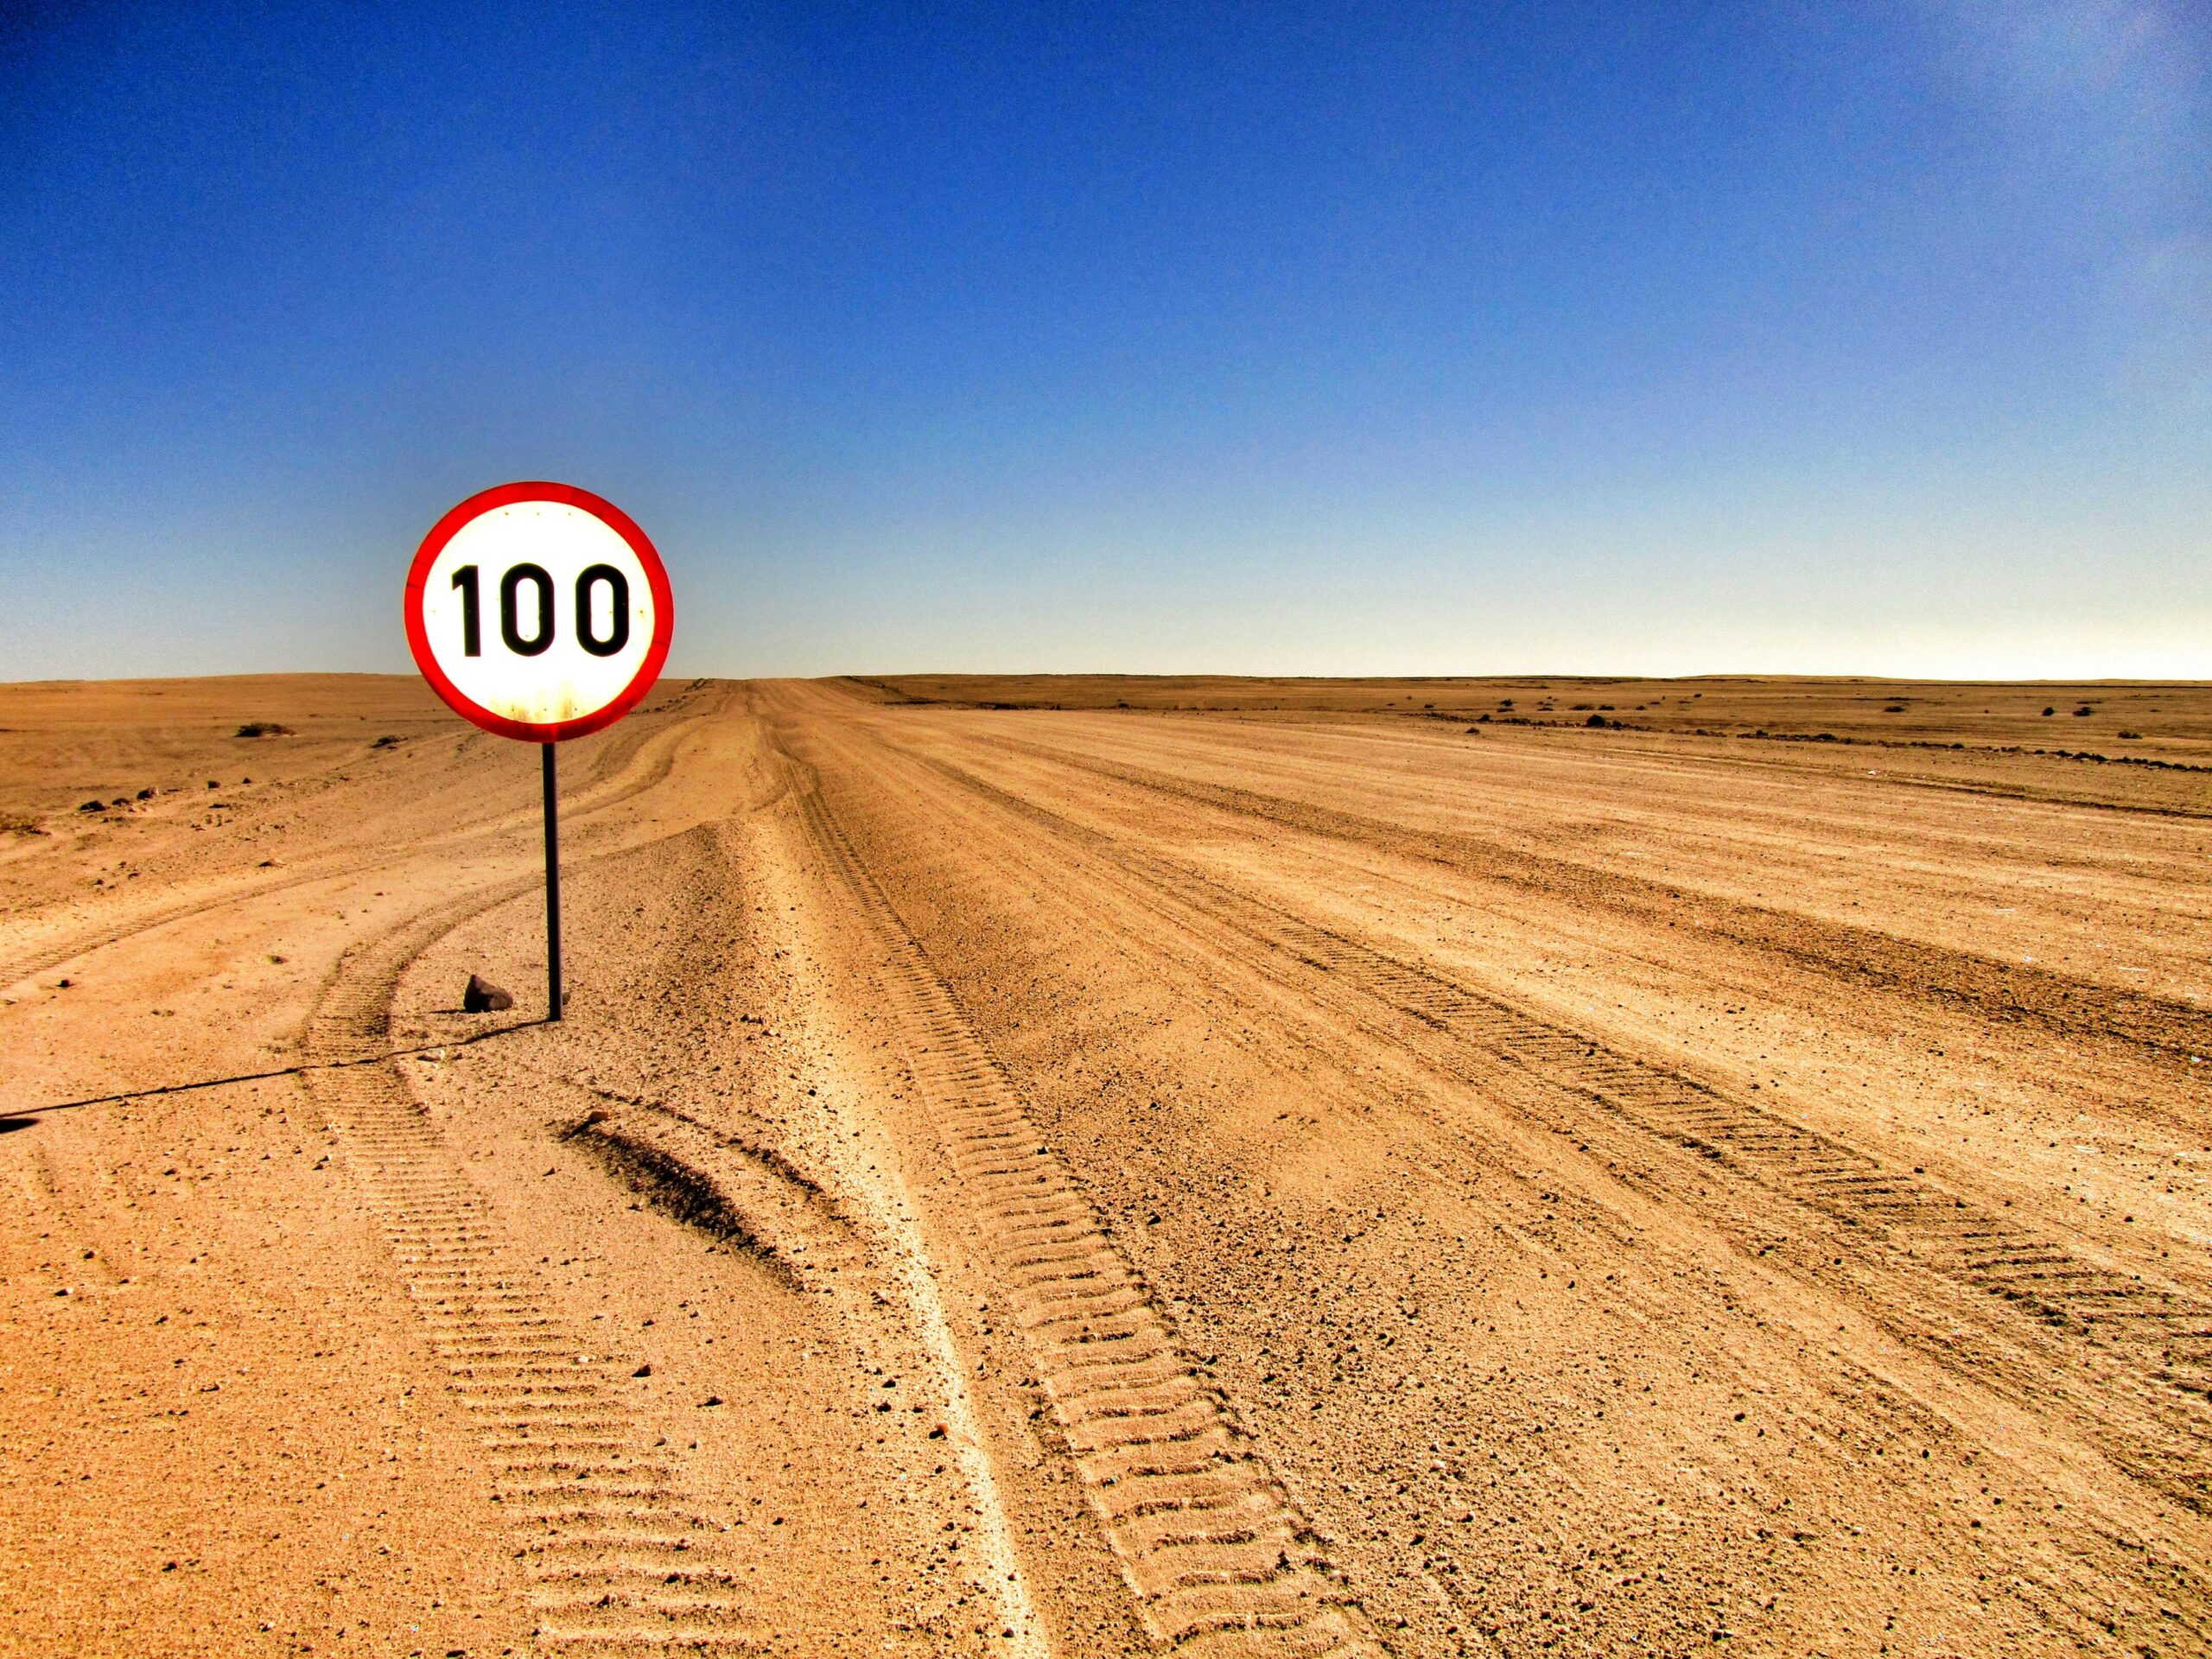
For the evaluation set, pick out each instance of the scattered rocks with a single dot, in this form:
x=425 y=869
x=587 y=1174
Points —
x=482 y=996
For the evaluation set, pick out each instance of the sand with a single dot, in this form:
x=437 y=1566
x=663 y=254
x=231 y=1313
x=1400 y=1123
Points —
x=1095 y=1165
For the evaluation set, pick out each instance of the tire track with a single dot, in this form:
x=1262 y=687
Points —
x=617 y=1565
x=2001 y=992
x=645 y=766
x=1894 y=1221
x=2164 y=1338
x=1216 y=1556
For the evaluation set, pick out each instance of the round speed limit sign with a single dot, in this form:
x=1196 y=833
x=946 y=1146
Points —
x=539 y=611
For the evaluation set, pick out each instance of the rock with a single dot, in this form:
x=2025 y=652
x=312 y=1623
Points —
x=482 y=996
x=91 y=806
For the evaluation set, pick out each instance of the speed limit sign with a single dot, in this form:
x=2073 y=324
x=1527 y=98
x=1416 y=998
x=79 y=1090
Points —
x=540 y=612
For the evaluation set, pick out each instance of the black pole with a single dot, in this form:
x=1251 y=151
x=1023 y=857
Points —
x=552 y=892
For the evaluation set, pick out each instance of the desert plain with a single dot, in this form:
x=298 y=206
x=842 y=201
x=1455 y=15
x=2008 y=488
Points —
x=1086 y=1165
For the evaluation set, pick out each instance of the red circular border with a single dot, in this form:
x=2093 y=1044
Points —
x=505 y=495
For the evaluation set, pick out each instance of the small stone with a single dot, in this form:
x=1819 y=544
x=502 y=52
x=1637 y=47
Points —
x=482 y=996
x=91 y=806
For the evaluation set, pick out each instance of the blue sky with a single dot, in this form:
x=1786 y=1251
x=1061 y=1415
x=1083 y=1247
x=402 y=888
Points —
x=1273 y=339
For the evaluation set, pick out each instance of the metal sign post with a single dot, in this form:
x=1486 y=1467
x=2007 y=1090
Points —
x=540 y=612
x=552 y=889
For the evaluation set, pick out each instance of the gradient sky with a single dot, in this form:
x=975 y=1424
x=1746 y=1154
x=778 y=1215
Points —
x=1354 y=339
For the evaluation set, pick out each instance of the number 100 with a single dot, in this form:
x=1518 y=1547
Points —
x=534 y=576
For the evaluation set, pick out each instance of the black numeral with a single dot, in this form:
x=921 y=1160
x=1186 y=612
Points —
x=618 y=594
x=472 y=621
x=467 y=582
x=510 y=629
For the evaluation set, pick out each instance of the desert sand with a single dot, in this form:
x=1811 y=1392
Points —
x=1095 y=1165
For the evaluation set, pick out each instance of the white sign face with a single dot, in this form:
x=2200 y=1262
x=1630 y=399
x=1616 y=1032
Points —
x=538 y=611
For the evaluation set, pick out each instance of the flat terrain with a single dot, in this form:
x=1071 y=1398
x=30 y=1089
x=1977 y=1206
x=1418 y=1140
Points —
x=1090 y=1166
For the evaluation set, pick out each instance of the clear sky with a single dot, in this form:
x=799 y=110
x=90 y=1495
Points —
x=1269 y=338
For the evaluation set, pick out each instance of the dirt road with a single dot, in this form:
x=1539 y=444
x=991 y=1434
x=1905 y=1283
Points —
x=1293 y=1173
